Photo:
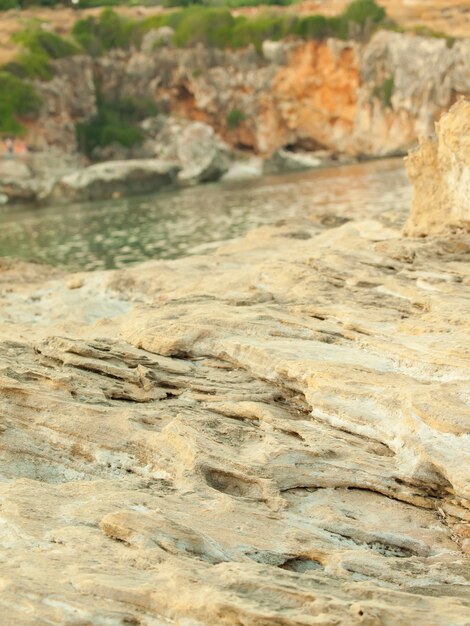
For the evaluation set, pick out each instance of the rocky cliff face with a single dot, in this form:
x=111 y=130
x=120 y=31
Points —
x=275 y=434
x=69 y=98
x=372 y=99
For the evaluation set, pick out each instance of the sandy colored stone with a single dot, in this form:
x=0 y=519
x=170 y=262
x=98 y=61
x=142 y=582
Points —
x=440 y=173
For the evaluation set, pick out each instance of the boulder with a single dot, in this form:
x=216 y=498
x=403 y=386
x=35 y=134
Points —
x=157 y=37
x=439 y=170
x=202 y=155
x=13 y=169
x=274 y=51
x=17 y=183
x=162 y=132
x=242 y=170
x=286 y=161
x=19 y=191
x=115 y=179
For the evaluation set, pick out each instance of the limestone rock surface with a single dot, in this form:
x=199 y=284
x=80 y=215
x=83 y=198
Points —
x=440 y=172
x=273 y=434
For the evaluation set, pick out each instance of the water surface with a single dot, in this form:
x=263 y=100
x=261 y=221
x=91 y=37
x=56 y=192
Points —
x=169 y=225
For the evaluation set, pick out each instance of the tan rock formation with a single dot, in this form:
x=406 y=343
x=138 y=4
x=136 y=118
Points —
x=440 y=172
x=275 y=434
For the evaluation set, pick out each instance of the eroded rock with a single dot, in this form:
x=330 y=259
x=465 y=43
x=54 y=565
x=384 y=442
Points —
x=440 y=173
x=276 y=433
x=202 y=155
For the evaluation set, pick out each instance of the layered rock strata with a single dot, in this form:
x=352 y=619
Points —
x=277 y=433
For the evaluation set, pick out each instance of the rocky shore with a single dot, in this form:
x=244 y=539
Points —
x=276 y=433
x=189 y=153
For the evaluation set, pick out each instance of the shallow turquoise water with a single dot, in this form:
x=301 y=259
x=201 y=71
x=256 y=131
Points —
x=168 y=225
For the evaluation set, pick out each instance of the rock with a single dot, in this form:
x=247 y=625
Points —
x=115 y=178
x=157 y=37
x=162 y=133
x=439 y=171
x=68 y=99
x=202 y=156
x=113 y=152
x=287 y=161
x=242 y=170
x=17 y=184
x=13 y=169
x=19 y=191
x=274 y=51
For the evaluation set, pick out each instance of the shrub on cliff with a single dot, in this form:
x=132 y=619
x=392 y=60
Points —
x=109 y=30
x=116 y=122
x=358 y=19
x=42 y=42
x=6 y=5
x=384 y=92
x=17 y=100
x=313 y=27
x=219 y=28
x=39 y=48
x=363 y=11
x=255 y=31
x=211 y=27
x=227 y=3
x=234 y=118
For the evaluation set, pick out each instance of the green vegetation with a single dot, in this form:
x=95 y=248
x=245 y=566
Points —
x=109 y=30
x=39 y=48
x=232 y=4
x=425 y=31
x=17 y=99
x=363 y=11
x=384 y=92
x=217 y=27
x=116 y=122
x=6 y=5
x=207 y=26
x=234 y=118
